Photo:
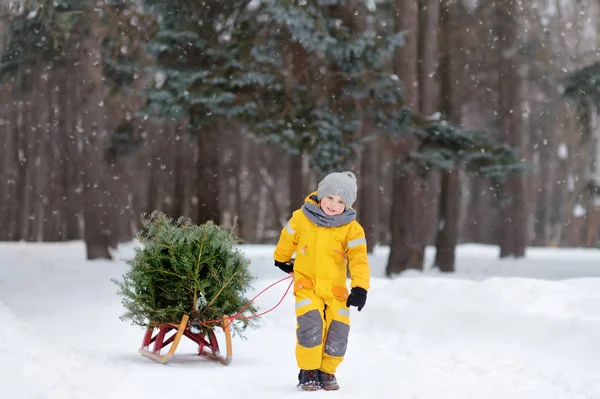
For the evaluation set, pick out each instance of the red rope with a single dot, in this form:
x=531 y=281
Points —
x=237 y=315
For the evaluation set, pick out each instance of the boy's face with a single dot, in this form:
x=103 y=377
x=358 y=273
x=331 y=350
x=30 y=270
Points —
x=332 y=205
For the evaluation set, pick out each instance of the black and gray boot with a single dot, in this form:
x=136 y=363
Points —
x=328 y=381
x=308 y=380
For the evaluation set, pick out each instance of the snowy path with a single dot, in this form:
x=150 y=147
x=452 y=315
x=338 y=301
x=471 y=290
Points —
x=419 y=337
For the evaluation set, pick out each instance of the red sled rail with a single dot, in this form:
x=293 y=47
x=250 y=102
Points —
x=168 y=336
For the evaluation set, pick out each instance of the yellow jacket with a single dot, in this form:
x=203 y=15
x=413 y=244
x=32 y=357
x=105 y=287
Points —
x=322 y=254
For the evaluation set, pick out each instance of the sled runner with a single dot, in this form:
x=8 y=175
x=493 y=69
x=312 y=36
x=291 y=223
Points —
x=203 y=334
x=158 y=337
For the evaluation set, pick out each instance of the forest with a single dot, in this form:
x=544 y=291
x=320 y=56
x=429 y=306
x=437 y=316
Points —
x=464 y=120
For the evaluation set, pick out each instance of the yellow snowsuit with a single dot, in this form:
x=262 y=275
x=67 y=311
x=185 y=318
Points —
x=322 y=255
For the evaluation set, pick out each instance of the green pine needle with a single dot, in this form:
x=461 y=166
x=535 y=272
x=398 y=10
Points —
x=179 y=262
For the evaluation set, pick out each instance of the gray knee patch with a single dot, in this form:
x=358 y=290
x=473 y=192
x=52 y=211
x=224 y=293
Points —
x=337 y=338
x=310 y=330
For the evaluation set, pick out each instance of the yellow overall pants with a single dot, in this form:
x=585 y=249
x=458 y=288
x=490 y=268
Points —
x=322 y=328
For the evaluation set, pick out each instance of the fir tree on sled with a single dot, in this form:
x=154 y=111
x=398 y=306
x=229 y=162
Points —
x=184 y=280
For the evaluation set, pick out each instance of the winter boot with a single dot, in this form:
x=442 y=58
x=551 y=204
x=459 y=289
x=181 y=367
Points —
x=328 y=381
x=308 y=380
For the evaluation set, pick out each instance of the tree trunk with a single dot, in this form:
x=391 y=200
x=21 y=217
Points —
x=429 y=14
x=368 y=191
x=236 y=181
x=207 y=184
x=179 y=174
x=449 y=204
x=447 y=237
x=297 y=62
x=545 y=132
x=368 y=179
x=52 y=214
x=296 y=183
x=29 y=134
x=91 y=124
x=429 y=11
x=72 y=185
x=6 y=175
x=513 y=221
x=21 y=162
x=408 y=230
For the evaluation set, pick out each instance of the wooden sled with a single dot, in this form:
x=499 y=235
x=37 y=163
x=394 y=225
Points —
x=208 y=346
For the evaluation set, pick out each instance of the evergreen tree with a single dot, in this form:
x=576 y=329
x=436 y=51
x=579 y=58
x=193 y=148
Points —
x=230 y=60
x=37 y=36
x=583 y=86
x=181 y=268
x=226 y=60
x=443 y=144
x=582 y=89
x=343 y=79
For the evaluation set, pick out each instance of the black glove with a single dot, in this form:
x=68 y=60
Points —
x=287 y=267
x=357 y=297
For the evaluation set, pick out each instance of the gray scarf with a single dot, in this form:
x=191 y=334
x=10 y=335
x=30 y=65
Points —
x=315 y=214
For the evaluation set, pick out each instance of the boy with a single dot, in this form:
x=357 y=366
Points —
x=327 y=238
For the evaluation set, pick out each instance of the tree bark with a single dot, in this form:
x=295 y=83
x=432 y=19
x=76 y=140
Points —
x=449 y=203
x=513 y=221
x=20 y=157
x=51 y=204
x=296 y=183
x=6 y=147
x=91 y=123
x=368 y=179
x=368 y=191
x=72 y=185
x=429 y=11
x=408 y=230
x=207 y=184
x=179 y=175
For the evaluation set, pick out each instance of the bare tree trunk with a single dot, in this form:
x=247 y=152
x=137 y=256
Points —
x=53 y=172
x=207 y=185
x=449 y=207
x=6 y=174
x=368 y=193
x=408 y=231
x=152 y=201
x=368 y=181
x=91 y=123
x=236 y=180
x=447 y=236
x=545 y=175
x=296 y=183
x=72 y=185
x=179 y=174
x=28 y=133
x=12 y=159
x=514 y=235
x=429 y=14
x=243 y=177
x=21 y=162
x=267 y=163
x=429 y=11
x=297 y=62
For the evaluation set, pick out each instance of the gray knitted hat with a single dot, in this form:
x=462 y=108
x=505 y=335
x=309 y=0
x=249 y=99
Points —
x=339 y=183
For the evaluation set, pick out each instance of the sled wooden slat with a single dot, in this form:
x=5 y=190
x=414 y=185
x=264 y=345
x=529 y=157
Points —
x=217 y=356
x=163 y=359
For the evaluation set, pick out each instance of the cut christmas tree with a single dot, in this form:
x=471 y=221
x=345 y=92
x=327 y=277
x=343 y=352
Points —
x=185 y=269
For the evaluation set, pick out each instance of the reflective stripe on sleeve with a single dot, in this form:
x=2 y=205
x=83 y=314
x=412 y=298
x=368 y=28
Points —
x=358 y=241
x=289 y=229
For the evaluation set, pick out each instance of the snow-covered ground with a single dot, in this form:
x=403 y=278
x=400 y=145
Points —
x=495 y=329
